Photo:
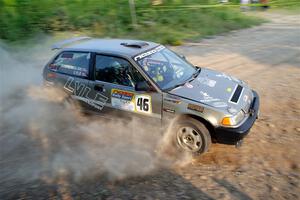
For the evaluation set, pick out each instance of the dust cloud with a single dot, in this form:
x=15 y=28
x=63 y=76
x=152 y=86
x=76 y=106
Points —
x=41 y=138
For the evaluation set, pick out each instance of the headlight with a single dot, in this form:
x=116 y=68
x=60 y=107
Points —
x=234 y=120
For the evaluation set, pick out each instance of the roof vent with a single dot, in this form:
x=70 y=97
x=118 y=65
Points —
x=135 y=44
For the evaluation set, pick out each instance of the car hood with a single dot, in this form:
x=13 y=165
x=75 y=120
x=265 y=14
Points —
x=218 y=90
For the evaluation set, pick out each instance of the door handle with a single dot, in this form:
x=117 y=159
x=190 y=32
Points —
x=98 y=88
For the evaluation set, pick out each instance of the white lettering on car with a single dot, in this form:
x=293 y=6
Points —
x=207 y=81
x=81 y=92
x=215 y=101
x=148 y=53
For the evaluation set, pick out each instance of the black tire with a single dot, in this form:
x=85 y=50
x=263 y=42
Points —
x=199 y=135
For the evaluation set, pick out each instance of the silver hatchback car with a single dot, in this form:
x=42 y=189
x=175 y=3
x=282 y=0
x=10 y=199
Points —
x=132 y=78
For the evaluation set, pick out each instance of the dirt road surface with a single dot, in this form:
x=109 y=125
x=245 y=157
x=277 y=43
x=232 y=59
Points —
x=267 y=166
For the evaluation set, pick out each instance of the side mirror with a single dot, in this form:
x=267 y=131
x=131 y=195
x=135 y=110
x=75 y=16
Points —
x=142 y=86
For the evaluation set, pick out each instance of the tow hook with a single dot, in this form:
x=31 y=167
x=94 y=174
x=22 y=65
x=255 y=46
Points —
x=251 y=111
x=238 y=144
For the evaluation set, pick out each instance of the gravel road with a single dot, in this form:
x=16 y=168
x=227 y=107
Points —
x=267 y=166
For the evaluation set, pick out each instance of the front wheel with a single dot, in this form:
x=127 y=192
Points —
x=190 y=135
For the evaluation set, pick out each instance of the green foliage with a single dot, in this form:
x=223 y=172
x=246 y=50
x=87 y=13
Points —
x=22 y=19
x=288 y=5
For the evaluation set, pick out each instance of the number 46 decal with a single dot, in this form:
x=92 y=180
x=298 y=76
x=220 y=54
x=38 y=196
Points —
x=143 y=103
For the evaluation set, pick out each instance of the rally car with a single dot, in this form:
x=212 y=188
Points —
x=132 y=78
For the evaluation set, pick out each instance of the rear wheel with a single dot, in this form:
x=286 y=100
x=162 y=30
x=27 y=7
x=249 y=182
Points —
x=191 y=135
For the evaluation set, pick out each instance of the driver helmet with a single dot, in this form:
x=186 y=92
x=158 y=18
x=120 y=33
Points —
x=118 y=68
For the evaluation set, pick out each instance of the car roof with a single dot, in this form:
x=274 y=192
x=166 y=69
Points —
x=124 y=47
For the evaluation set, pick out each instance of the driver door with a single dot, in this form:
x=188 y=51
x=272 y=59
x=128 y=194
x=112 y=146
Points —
x=115 y=78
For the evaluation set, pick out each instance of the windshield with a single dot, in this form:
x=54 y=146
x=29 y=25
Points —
x=165 y=67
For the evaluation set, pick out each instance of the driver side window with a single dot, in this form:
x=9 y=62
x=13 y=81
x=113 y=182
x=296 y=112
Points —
x=116 y=70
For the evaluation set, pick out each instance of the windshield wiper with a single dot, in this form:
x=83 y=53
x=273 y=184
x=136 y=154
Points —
x=196 y=73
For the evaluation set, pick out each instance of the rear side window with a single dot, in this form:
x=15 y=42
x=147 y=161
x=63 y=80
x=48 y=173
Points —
x=72 y=63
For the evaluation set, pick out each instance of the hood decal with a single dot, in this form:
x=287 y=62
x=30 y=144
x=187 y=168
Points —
x=188 y=85
x=225 y=76
x=214 y=89
x=215 y=102
x=207 y=81
x=207 y=97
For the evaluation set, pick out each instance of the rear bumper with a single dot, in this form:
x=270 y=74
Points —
x=232 y=135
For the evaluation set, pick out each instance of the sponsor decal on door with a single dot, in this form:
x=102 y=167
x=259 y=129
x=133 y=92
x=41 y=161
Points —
x=130 y=101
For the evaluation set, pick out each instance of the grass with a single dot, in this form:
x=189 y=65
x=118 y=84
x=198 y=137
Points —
x=291 y=6
x=192 y=24
x=23 y=19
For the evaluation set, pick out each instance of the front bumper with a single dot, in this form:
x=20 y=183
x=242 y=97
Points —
x=232 y=135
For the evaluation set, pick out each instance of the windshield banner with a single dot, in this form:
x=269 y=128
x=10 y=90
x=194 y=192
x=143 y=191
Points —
x=148 y=53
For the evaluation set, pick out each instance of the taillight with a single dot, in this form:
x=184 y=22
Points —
x=53 y=67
